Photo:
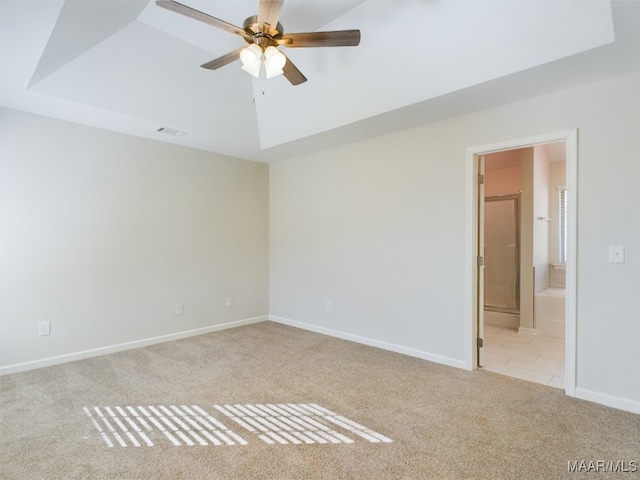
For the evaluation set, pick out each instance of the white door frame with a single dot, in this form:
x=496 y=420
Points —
x=571 y=139
x=480 y=252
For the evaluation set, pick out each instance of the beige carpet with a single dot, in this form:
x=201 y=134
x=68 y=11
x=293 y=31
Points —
x=352 y=412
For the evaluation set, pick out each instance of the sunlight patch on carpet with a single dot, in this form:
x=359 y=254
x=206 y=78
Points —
x=274 y=424
x=297 y=423
x=139 y=426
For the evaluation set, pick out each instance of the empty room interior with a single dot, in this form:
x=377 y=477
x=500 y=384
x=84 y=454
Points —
x=381 y=240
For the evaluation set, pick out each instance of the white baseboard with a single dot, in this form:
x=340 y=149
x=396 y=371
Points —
x=608 y=400
x=527 y=331
x=71 y=357
x=412 y=352
x=501 y=319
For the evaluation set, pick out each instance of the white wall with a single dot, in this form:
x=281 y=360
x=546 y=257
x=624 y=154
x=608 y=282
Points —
x=378 y=228
x=102 y=234
x=540 y=206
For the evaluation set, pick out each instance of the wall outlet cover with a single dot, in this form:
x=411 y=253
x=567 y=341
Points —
x=44 y=328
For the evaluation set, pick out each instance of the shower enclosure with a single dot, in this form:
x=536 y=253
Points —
x=502 y=254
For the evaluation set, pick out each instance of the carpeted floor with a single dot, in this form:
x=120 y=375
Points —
x=268 y=401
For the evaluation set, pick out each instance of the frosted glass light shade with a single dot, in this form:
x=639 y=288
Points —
x=274 y=61
x=253 y=70
x=251 y=58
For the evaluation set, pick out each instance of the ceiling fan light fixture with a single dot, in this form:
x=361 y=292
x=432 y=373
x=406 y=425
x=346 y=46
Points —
x=274 y=61
x=251 y=58
x=253 y=69
x=272 y=72
x=263 y=38
x=274 y=58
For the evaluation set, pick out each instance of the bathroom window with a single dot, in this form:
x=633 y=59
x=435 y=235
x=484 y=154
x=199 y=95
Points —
x=562 y=191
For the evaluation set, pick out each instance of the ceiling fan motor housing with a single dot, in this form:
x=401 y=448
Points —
x=260 y=34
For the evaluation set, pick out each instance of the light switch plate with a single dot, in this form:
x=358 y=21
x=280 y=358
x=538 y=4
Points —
x=616 y=254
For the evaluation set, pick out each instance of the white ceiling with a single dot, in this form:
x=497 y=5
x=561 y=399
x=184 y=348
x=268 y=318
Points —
x=130 y=66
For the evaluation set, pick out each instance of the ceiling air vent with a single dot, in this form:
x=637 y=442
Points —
x=170 y=131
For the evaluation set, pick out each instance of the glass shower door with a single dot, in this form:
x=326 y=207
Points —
x=502 y=254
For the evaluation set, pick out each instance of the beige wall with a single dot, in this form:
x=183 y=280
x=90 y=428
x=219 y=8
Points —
x=503 y=181
x=379 y=227
x=540 y=206
x=102 y=234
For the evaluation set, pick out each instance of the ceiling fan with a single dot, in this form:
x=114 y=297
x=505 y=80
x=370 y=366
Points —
x=264 y=33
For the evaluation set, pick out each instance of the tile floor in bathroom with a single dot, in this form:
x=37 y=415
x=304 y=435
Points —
x=536 y=358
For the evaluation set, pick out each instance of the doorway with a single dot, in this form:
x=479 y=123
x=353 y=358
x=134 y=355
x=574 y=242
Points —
x=515 y=300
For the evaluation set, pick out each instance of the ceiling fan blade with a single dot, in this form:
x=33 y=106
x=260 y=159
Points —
x=203 y=17
x=223 y=60
x=338 y=38
x=292 y=73
x=269 y=12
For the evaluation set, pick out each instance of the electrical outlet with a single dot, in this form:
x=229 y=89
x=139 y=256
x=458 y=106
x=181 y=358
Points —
x=228 y=302
x=44 y=328
x=179 y=309
x=329 y=305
